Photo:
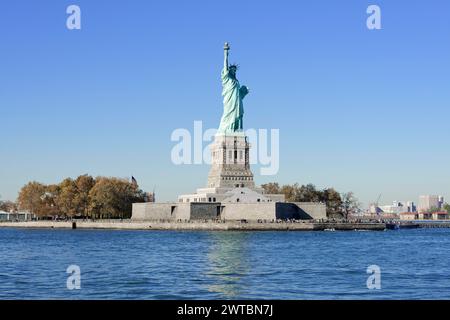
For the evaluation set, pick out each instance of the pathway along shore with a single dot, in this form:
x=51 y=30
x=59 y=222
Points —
x=196 y=225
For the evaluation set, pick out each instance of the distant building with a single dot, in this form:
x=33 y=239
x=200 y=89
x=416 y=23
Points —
x=411 y=206
x=441 y=202
x=396 y=208
x=408 y=216
x=4 y=215
x=16 y=216
x=428 y=202
x=439 y=215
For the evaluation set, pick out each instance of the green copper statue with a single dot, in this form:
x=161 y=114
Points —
x=233 y=94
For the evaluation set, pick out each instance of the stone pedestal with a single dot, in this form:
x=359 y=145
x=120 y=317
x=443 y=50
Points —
x=230 y=166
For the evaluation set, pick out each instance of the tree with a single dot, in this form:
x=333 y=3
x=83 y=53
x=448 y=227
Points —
x=447 y=207
x=271 y=188
x=306 y=193
x=113 y=198
x=350 y=204
x=84 y=184
x=66 y=199
x=8 y=206
x=289 y=192
x=50 y=200
x=434 y=209
x=333 y=201
x=31 y=198
x=101 y=197
x=337 y=205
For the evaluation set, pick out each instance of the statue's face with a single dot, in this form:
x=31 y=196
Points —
x=233 y=71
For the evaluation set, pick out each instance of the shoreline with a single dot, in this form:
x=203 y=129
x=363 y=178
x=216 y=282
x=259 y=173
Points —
x=196 y=226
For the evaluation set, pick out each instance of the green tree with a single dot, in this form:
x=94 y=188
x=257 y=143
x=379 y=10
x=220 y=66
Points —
x=447 y=207
x=434 y=209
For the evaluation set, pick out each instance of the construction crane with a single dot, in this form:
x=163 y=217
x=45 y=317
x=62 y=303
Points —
x=376 y=205
x=378 y=200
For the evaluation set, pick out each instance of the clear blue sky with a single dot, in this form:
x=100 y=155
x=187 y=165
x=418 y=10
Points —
x=360 y=110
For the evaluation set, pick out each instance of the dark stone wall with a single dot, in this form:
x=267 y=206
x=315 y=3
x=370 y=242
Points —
x=286 y=210
x=204 y=211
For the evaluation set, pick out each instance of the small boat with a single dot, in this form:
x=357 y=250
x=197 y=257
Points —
x=392 y=226
x=329 y=229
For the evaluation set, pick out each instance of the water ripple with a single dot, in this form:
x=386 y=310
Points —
x=224 y=265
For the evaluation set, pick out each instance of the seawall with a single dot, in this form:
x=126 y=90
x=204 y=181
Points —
x=195 y=225
x=433 y=224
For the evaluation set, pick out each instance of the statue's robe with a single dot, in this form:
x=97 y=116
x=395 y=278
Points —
x=233 y=108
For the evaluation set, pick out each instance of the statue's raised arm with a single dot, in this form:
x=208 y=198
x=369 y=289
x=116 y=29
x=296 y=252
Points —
x=226 y=49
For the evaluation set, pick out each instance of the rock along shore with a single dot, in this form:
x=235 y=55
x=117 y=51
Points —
x=196 y=225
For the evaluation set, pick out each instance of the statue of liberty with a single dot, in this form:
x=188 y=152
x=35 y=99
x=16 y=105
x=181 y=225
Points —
x=233 y=96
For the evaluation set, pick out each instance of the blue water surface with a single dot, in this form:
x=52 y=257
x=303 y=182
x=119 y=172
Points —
x=224 y=265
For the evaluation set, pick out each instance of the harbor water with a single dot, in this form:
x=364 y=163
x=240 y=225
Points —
x=122 y=264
